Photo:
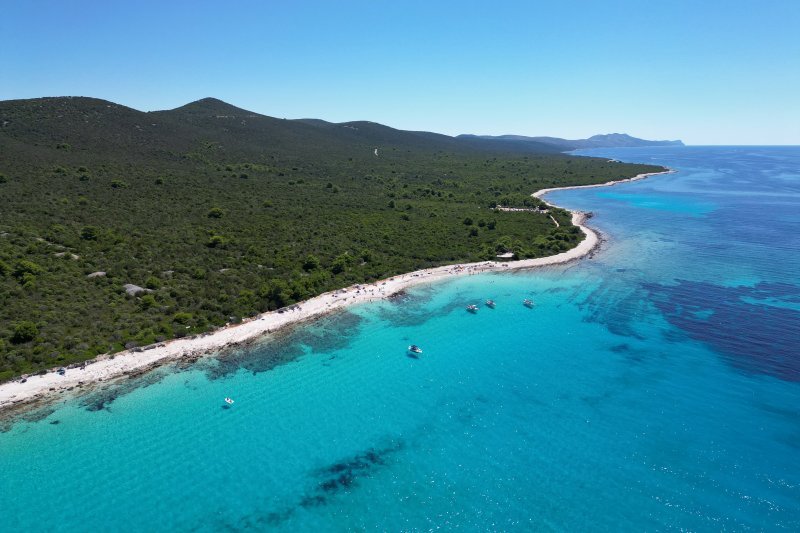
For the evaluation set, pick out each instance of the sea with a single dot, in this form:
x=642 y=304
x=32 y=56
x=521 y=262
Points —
x=653 y=386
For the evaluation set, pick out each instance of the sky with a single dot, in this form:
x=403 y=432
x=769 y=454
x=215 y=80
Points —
x=706 y=72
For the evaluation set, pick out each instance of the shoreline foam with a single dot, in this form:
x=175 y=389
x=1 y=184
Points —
x=107 y=368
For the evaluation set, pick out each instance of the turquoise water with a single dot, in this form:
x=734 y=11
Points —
x=655 y=385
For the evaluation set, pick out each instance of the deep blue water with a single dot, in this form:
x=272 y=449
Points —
x=655 y=385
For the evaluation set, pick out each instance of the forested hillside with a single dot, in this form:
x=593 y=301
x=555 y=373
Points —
x=217 y=213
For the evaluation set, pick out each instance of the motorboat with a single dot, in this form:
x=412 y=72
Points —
x=229 y=401
x=528 y=303
x=490 y=304
x=414 y=349
x=472 y=308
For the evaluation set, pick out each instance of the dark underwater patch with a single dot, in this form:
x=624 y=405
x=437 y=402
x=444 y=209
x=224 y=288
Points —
x=38 y=415
x=346 y=473
x=336 y=478
x=262 y=357
x=408 y=311
x=329 y=334
x=673 y=335
x=595 y=400
x=101 y=399
x=556 y=290
x=97 y=401
x=34 y=415
x=617 y=314
x=753 y=337
x=631 y=354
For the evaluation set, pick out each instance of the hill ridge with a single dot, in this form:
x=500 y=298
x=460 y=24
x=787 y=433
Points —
x=86 y=123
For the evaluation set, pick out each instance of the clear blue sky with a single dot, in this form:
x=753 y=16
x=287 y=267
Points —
x=707 y=72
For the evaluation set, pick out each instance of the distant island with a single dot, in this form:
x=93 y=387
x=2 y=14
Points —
x=610 y=140
x=123 y=228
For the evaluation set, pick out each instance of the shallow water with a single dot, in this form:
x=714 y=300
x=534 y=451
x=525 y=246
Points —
x=653 y=386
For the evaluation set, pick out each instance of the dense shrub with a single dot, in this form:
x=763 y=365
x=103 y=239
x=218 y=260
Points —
x=89 y=233
x=24 y=331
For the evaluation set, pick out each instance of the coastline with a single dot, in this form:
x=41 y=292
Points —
x=542 y=192
x=107 y=368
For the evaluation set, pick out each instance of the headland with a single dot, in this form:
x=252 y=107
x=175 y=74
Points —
x=33 y=390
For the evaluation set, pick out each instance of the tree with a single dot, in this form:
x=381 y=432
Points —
x=215 y=241
x=24 y=331
x=277 y=292
x=89 y=233
x=246 y=300
x=147 y=301
x=311 y=263
x=467 y=221
x=182 y=317
x=338 y=266
x=23 y=266
x=28 y=280
x=341 y=263
x=215 y=212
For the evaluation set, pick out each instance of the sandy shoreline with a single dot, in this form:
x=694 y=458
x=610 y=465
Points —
x=50 y=386
x=542 y=192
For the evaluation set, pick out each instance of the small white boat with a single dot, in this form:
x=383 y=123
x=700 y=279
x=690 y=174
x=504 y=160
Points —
x=414 y=349
x=528 y=303
x=490 y=303
x=472 y=308
x=229 y=401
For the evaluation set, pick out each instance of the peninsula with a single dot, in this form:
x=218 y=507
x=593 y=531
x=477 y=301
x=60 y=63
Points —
x=47 y=386
x=124 y=229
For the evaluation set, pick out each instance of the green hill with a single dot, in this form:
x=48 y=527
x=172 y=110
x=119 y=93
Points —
x=222 y=213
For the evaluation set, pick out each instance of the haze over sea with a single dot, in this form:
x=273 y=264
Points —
x=655 y=385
